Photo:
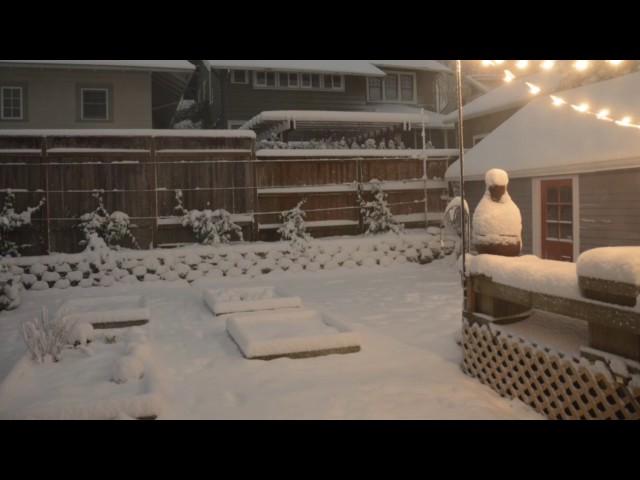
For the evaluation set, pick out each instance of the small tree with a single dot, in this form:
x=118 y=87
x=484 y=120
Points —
x=376 y=214
x=10 y=220
x=113 y=227
x=293 y=228
x=45 y=338
x=210 y=227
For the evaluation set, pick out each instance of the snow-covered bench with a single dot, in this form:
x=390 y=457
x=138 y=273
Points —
x=509 y=287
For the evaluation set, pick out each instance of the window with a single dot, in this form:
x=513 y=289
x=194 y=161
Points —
x=239 y=77
x=394 y=87
x=94 y=104
x=11 y=103
x=375 y=89
x=298 y=80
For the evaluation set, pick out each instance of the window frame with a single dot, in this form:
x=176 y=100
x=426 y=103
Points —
x=236 y=82
x=108 y=102
x=398 y=74
x=20 y=88
x=299 y=85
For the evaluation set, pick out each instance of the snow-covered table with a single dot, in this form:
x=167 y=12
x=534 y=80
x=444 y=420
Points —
x=107 y=312
x=299 y=333
x=528 y=282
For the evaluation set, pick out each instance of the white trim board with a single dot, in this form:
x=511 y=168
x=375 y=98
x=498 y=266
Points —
x=536 y=220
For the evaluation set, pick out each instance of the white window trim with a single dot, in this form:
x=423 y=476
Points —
x=246 y=77
x=478 y=137
x=299 y=86
x=13 y=87
x=537 y=213
x=399 y=100
x=107 y=111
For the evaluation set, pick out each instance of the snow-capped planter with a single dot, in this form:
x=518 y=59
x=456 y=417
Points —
x=299 y=333
x=386 y=261
x=369 y=262
x=295 y=268
x=193 y=275
x=28 y=280
x=78 y=387
x=610 y=274
x=331 y=265
x=62 y=268
x=182 y=269
x=107 y=312
x=51 y=277
x=170 y=276
x=84 y=283
x=313 y=267
x=436 y=248
x=349 y=264
x=37 y=269
x=426 y=256
x=497 y=223
x=233 y=300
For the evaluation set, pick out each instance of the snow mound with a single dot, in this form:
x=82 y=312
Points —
x=617 y=264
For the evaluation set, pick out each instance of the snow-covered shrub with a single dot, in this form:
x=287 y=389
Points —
x=113 y=227
x=10 y=220
x=127 y=368
x=190 y=115
x=452 y=219
x=376 y=213
x=370 y=144
x=210 y=227
x=10 y=288
x=45 y=338
x=80 y=334
x=293 y=228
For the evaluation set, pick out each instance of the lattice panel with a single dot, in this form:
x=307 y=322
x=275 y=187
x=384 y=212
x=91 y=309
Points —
x=556 y=385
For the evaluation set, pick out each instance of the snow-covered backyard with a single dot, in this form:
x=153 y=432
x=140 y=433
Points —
x=406 y=316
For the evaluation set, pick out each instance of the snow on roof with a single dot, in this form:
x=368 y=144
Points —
x=431 y=119
x=156 y=65
x=426 y=65
x=506 y=96
x=542 y=139
x=131 y=132
x=348 y=67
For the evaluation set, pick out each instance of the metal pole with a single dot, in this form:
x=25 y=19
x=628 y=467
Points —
x=461 y=161
x=424 y=174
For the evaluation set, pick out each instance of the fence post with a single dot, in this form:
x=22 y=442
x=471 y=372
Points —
x=253 y=183
x=44 y=163
x=154 y=159
x=359 y=191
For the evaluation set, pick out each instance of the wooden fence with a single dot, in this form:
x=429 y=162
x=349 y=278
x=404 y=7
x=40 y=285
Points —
x=139 y=171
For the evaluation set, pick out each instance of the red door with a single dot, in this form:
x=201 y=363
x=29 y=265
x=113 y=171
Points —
x=557 y=219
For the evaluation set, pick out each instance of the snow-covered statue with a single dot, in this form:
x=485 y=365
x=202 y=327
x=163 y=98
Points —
x=497 y=223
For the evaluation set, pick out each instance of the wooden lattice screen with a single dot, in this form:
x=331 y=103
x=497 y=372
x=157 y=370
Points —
x=556 y=385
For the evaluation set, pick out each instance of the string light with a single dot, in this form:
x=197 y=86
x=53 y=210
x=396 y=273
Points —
x=508 y=76
x=582 y=65
x=533 y=89
x=582 y=108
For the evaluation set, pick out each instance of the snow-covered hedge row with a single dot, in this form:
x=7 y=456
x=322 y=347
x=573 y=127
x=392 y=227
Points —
x=191 y=263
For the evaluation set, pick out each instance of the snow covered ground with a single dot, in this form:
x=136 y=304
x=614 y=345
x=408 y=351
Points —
x=406 y=316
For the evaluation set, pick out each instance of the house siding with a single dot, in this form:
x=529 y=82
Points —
x=485 y=124
x=521 y=194
x=52 y=96
x=609 y=209
x=242 y=102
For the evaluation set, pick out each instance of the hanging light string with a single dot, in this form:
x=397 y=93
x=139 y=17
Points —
x=603 y=114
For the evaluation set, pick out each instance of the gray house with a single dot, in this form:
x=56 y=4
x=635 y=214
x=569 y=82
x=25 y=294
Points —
x=91 y=93
x=243 y=91
x=576 y=178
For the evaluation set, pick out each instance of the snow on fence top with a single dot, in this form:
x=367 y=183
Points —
x=431 y=119
x=321 y=153
x=133 y=132
x=541 y=139
x=617 y=264
x=353 y=67
x=509 y=95
x=157 y=65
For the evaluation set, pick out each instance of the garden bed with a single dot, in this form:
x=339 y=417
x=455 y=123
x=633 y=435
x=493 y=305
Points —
x=111 y=377
x=107 y=312
x=234 y=300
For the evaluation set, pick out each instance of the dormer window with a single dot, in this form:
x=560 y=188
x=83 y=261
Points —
x=395 y=87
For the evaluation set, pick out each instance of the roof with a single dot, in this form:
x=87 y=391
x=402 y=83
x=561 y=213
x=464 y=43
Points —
x=129 y=132
x=154 y=65
x=542 y=139
x=345 y=67
x=504 y=97
x=426 y=65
